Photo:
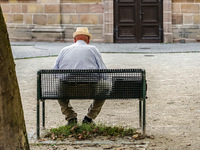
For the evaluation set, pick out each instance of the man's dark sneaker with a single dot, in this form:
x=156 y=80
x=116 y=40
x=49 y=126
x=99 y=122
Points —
x=87 y=120
x=72 y=121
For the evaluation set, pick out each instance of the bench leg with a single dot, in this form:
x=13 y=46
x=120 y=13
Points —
x=140 y=112
x=144 y=116
x=38 y=119
x=43 y=114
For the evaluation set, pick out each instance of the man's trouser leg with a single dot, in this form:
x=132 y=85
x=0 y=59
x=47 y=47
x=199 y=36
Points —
x=95 y=108
x=67 y=109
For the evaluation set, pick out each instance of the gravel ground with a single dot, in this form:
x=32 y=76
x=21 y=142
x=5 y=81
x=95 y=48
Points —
x=173 y=106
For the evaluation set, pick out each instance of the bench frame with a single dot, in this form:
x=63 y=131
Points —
x=142 y=99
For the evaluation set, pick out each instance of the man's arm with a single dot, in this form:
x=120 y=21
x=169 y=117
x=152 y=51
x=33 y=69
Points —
x=56 y=65
x=99 y=60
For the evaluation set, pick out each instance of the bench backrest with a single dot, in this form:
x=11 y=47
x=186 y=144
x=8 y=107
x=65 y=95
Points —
x=91 y=84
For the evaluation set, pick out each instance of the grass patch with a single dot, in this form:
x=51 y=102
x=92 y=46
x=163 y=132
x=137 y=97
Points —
x=86 y=131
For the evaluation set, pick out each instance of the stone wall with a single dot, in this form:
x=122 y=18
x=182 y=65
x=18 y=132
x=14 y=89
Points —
x=186 y=20
x=56 y=20
x=53 y=20
x=167 y=21
x=32 y=19
x=90 y=14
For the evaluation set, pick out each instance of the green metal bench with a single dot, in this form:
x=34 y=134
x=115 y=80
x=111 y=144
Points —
x=92 y=84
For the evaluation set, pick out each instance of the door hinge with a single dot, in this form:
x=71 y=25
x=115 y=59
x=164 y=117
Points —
x=116 y=30
x=160 y=31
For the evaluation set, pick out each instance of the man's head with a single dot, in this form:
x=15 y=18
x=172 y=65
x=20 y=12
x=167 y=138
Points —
x=82 y=33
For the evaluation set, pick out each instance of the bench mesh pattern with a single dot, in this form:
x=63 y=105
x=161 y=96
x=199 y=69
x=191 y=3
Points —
x=90 y=84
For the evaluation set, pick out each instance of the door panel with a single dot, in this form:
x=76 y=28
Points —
x=124 y=1
x=150 y=14
x=128 y=31
x=149 y=1
x=138 y=21
x=129 y=17
x=149 y=31
x=125 y=21
x=151 y=21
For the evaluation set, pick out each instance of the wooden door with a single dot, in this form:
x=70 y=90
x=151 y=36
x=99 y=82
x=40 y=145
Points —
x=138 y=21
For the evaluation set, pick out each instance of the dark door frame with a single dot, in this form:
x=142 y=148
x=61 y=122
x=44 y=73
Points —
x=138 y=35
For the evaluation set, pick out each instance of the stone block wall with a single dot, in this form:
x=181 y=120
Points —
x=186 y=20
x=53 y=20
x=82 y=13
x=167 y=21
x=56 y=20
x=33 y=19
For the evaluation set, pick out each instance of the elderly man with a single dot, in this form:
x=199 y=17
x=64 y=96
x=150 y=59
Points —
x=80 y=56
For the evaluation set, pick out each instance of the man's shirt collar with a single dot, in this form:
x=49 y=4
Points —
x=81 y=42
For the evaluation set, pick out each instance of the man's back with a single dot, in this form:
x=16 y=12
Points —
x=79 y=56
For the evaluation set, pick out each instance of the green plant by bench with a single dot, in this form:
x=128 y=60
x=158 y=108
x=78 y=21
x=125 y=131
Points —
x=87 y=131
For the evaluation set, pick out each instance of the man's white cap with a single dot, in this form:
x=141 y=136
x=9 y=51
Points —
x=82 y=31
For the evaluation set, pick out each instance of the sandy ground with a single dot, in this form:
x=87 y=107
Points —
x=173 y=104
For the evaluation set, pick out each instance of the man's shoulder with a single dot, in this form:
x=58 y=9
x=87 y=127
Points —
x=68 y=47
x=85 y=46
x=92 y=47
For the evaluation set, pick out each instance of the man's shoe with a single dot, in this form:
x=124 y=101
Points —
x=87 y=120
x=72 y=121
